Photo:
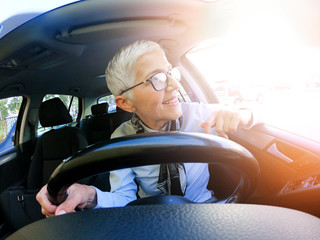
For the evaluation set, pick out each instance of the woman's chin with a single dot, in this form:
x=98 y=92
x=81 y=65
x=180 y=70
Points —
x=176 y=114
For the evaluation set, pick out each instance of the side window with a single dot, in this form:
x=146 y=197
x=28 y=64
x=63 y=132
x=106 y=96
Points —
x=72 y=104
x=110 y=100
x=9 y=110
x=282 y=89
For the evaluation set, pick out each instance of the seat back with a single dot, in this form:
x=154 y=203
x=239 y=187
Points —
x=18 y=206
x=98 y=124
x=119 y=117
x=53 y=146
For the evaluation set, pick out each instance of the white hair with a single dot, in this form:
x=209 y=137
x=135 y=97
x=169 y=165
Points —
x=120 y=73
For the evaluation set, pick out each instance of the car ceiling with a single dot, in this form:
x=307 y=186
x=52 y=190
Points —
x=66 y=50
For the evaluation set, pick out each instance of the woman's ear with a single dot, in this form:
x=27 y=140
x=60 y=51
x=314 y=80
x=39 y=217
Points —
x=124 y=103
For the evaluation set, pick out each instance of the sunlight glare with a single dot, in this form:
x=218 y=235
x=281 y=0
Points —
x=265 y=58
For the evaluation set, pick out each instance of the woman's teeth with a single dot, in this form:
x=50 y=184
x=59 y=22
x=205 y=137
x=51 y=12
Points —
x=173 y=100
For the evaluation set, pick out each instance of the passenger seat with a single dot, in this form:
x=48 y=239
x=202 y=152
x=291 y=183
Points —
x=119 y=117
x=100 y=125
x=97 y=126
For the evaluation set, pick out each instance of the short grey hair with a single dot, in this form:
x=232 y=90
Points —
x=120 y=73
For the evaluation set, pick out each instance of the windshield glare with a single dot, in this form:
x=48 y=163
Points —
x=264 y=66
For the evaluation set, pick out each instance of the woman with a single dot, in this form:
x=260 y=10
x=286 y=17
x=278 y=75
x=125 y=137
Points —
x=145 y=83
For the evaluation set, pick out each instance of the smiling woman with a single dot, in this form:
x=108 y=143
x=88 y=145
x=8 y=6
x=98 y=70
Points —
x=154 y=110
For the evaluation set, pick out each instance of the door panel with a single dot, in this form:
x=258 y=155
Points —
x=10 y=168
x=290 y=167
x=11 y=110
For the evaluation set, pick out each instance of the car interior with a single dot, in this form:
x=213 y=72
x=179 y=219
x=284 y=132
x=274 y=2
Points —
x=266 y=179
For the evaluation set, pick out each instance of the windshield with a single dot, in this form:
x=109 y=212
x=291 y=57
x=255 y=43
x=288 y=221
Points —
x=265 y=67
x=17 y=12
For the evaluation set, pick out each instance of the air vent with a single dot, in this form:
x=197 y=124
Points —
x=33 y=57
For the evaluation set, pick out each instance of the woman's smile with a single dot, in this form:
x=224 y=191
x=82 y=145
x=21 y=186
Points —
x=155 y=108
x=173 y=101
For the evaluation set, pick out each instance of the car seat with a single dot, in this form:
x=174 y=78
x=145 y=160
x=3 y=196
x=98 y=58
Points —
x=55 y=145
x=18 y=205
x=98 y=125
x=119 y=117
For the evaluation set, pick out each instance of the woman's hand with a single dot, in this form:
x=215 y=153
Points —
x=227 y=121
x=79 y=196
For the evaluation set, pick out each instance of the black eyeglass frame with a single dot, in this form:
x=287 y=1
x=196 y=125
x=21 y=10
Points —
x=150 y=80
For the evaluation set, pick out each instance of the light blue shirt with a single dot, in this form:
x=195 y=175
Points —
x=123 y=186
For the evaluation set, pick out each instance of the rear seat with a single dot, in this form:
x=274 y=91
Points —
x=100 y=125
x=118 y=117
x=97 y=127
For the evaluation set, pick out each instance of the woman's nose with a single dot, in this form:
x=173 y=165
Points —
x=172 y=84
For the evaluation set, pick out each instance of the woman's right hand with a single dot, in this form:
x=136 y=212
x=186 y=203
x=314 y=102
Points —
x=79 y=196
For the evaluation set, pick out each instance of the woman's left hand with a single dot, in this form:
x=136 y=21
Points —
x=227 y=121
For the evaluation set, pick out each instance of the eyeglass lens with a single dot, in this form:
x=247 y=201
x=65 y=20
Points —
x=159 y=81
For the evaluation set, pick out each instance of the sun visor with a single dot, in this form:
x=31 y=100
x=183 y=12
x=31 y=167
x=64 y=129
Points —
x=116 y=30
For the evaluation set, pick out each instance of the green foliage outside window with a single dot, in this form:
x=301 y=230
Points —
x=9 y=110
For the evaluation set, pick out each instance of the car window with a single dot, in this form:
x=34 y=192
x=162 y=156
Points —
x=9 y=110
x=110 y=100
x=72 y=104
x=278 y=79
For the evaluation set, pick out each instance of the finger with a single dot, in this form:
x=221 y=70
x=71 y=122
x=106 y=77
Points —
x=234 y=122
x=224 y=135
x=220 y=125
x=209 y=123
x=245 y=116
x=227 y=122
x=44 y=212
x=69 y=205
x=47 y=208
x=77 y=197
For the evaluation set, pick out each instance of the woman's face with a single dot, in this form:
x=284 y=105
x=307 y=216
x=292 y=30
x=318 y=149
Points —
x=155 y=108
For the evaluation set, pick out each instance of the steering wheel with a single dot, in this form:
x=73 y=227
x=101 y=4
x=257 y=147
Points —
x=156 y=148
x=179 y=221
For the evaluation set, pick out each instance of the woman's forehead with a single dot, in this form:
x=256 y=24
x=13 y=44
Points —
x=151 y=63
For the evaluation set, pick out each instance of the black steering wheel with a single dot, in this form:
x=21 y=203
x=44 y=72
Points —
x=179 y=221
x=156 y=148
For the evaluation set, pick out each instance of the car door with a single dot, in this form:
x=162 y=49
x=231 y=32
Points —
x=13 y=156
x=10 y=159
x=286 y=137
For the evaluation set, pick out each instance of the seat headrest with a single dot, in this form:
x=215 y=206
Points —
x=100 y=108
x=120 y=110
x=53 y=112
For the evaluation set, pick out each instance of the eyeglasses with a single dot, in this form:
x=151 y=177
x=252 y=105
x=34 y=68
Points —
x=159 y=81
